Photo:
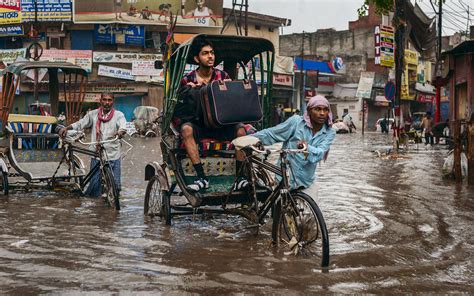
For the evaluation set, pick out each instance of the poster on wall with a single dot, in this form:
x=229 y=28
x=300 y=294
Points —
x=82 y=58
x=10 y=12
x=8 y=56
x=47 y=10
x=110 y=34
x=366 y=81
x=207 y=13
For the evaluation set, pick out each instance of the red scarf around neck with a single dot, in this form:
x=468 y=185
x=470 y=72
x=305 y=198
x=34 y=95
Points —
x=102 y=118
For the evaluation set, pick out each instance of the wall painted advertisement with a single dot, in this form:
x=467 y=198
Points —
x=47 y=10
x=10 y=12
x=206 y=13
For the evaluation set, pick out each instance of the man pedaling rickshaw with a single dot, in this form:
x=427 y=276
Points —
x=187 y=118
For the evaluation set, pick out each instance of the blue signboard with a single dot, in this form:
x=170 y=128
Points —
x=110 y=34
x=47 y=10
x=11 y=30
x=389 y=91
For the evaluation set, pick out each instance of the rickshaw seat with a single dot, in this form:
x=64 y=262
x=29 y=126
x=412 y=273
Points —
x=209 y=144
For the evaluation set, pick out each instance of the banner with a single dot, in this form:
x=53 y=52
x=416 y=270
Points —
x=124 y=57
x=207 y=13
x=110 y=34
x=88 y=97
x=8 y=56
x=10 y=12
x=115 y=72
x=364 y=90
x=145 y=68
x=82 y=58
x=15 y=30
x=47 y=10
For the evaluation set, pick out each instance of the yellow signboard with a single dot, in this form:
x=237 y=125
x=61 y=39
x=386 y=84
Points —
x=411 y=57
x=10 y=12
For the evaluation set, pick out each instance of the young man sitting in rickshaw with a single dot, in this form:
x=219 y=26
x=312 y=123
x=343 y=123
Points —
x=188 y=119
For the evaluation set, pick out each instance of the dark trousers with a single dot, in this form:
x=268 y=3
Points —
x=95 y=186
x=429 y=139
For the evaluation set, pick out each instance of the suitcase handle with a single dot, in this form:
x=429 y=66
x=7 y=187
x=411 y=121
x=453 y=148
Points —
x=247 y=84
x=222 y=85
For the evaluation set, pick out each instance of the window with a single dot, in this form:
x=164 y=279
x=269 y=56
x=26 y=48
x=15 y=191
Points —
x=55 y=42
x=257 y=27
x=270 y=29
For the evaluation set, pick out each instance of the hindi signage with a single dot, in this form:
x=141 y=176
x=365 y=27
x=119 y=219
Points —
x=115 y=72
x=122 y=57
x=46 y=10
x=10 y=55
x=145 y=68
x=82 y=58
x=10 y=12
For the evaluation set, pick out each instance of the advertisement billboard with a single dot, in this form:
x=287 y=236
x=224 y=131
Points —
x=206 y=13
x=10 y=12
x=47 y=10
x=129 y=34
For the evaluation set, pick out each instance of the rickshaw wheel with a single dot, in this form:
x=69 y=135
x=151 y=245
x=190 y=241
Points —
x=4 y=183
x=112 y=197
x=135 y=135
x=301 y=225
x=157 y=201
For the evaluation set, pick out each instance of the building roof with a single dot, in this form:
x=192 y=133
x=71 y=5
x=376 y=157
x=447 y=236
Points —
x=260 y=19
x=463 y=48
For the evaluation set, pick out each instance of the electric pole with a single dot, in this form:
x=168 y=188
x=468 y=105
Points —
x=399 y=63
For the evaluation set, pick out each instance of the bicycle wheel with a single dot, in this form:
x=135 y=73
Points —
x=299 y=223
x=4 y=183
x=110 y=188
x=157 y=202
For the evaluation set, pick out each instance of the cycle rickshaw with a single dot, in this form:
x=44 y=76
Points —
x=297 y=222
x=30 y=141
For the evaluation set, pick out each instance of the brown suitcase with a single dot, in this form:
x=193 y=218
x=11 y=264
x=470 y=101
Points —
x=230 y=102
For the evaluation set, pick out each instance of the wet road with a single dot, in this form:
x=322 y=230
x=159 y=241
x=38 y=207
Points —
x=395 y=226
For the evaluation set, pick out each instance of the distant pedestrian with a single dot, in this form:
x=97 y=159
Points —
x=384 y=125
x=427 y=125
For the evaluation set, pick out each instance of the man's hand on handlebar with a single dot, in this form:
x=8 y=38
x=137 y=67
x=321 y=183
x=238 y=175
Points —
x=120 y=134
x=63 y=132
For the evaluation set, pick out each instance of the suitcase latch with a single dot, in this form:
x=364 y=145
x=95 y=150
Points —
x=222 y=85
x=247 y=84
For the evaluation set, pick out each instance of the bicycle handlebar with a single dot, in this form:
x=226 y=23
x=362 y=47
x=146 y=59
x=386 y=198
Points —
x=98 y=142
x=303 y=149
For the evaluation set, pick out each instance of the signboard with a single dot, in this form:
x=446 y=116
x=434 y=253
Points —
x=426 y=98
x=82 y=58
x=364 y=90
x=10 y=12
x=118 y=88
x=389 y=91
x=122 y=57
x=144 y=68
x=47 y=10
x=8 y=56
x=115 y=72
x=15 y=30
x=88 y=97
x=150 y=12
x=282 y=79
x=411 y=57
x=384 y=46
x=110 y=34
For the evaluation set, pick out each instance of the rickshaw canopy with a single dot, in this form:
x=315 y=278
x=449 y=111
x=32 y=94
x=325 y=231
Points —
x=18 y=67
x=235 y=48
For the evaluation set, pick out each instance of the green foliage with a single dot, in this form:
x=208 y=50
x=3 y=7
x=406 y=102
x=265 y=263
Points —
x=381 y=7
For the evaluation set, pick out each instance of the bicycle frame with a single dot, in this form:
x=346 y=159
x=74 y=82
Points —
x=282 y=190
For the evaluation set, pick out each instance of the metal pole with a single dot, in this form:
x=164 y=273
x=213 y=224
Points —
x=246 y=27
x=438 y=63
x=399 y=63
x=302 y=95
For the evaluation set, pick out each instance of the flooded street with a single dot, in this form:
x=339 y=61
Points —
x=395 y=226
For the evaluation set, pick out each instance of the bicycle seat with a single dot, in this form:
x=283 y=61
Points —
x=245 y=141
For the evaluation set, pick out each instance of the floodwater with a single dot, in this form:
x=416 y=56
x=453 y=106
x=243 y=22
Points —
x=395 y=226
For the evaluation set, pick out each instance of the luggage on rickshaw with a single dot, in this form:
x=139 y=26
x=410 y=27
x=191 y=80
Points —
x=230 y=102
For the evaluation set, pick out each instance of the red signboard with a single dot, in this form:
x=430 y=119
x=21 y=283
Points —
x=425 y=98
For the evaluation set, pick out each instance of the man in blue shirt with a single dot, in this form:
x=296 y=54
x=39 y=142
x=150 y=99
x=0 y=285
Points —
x=312 y=129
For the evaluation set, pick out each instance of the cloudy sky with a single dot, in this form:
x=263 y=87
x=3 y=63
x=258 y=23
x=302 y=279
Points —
x=310 y=15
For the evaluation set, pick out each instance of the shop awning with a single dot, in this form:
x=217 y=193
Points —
x=381 y=101
x=322 y=67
